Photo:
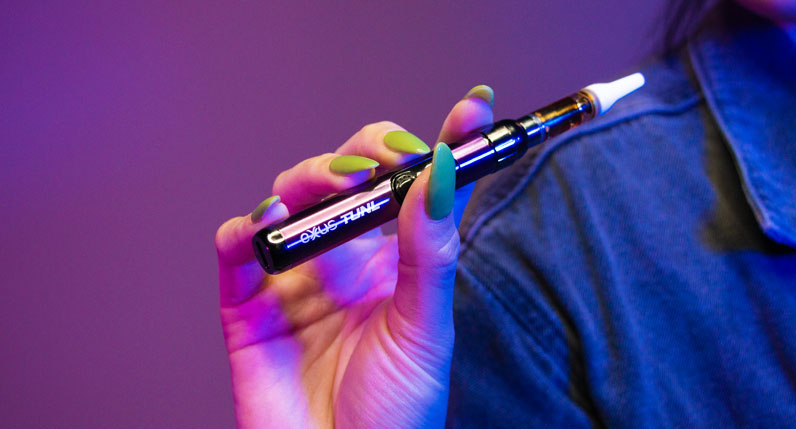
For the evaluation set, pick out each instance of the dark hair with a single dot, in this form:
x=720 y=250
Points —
x=681 y=19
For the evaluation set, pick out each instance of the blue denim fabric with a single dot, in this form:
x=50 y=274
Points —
x=641 y=271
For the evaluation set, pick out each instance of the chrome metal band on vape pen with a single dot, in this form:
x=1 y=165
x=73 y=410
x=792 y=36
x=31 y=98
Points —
x=336 y=220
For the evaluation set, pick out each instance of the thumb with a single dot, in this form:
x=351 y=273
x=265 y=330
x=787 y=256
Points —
x=428 y=247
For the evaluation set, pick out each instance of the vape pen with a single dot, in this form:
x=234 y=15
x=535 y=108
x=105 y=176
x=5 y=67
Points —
x=345 y=216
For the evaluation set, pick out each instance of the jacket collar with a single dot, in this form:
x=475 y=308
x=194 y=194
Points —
x=746 y=68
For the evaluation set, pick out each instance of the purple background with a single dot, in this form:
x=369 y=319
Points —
x=130 y=132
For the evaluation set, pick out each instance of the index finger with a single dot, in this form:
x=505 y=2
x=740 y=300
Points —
x=470 y=113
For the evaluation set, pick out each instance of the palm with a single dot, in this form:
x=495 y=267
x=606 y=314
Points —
x=329 y=327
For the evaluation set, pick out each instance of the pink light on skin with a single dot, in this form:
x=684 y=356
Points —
x=361 y=336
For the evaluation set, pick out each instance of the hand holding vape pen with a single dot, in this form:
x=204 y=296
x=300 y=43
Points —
x=347 y=215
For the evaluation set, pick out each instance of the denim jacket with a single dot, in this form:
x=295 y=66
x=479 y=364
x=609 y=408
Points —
x=641 y=270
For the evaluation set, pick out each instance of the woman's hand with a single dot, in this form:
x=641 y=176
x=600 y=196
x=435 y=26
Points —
x=361 y=336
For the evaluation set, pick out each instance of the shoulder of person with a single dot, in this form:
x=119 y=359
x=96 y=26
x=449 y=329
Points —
x=670 y=92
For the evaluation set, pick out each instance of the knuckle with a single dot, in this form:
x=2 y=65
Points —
x=305 y=168
x=367 y=134
x=439 y=256
x=388 y=124
x=448 y=252
x=223 y=232
x=374 y=131
x=279 y=182
x=309 y=164
x=368 y=129
x=323 y=158
x=318 y=164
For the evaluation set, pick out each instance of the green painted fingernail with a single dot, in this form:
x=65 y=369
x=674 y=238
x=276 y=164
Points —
x=404 y=141
x=441 y=183
x=258 y=213
x=483 y=92
x=347 y=164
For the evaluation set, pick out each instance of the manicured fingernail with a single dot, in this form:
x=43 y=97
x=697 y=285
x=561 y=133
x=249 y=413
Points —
x=441 y=183
x=483 y=92
x=258 y=213
x=404 y=141
x=347 y=164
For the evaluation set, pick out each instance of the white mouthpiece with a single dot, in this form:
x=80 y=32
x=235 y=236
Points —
x=606 y=94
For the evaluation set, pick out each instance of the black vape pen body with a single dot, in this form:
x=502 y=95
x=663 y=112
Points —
x=347 y=215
